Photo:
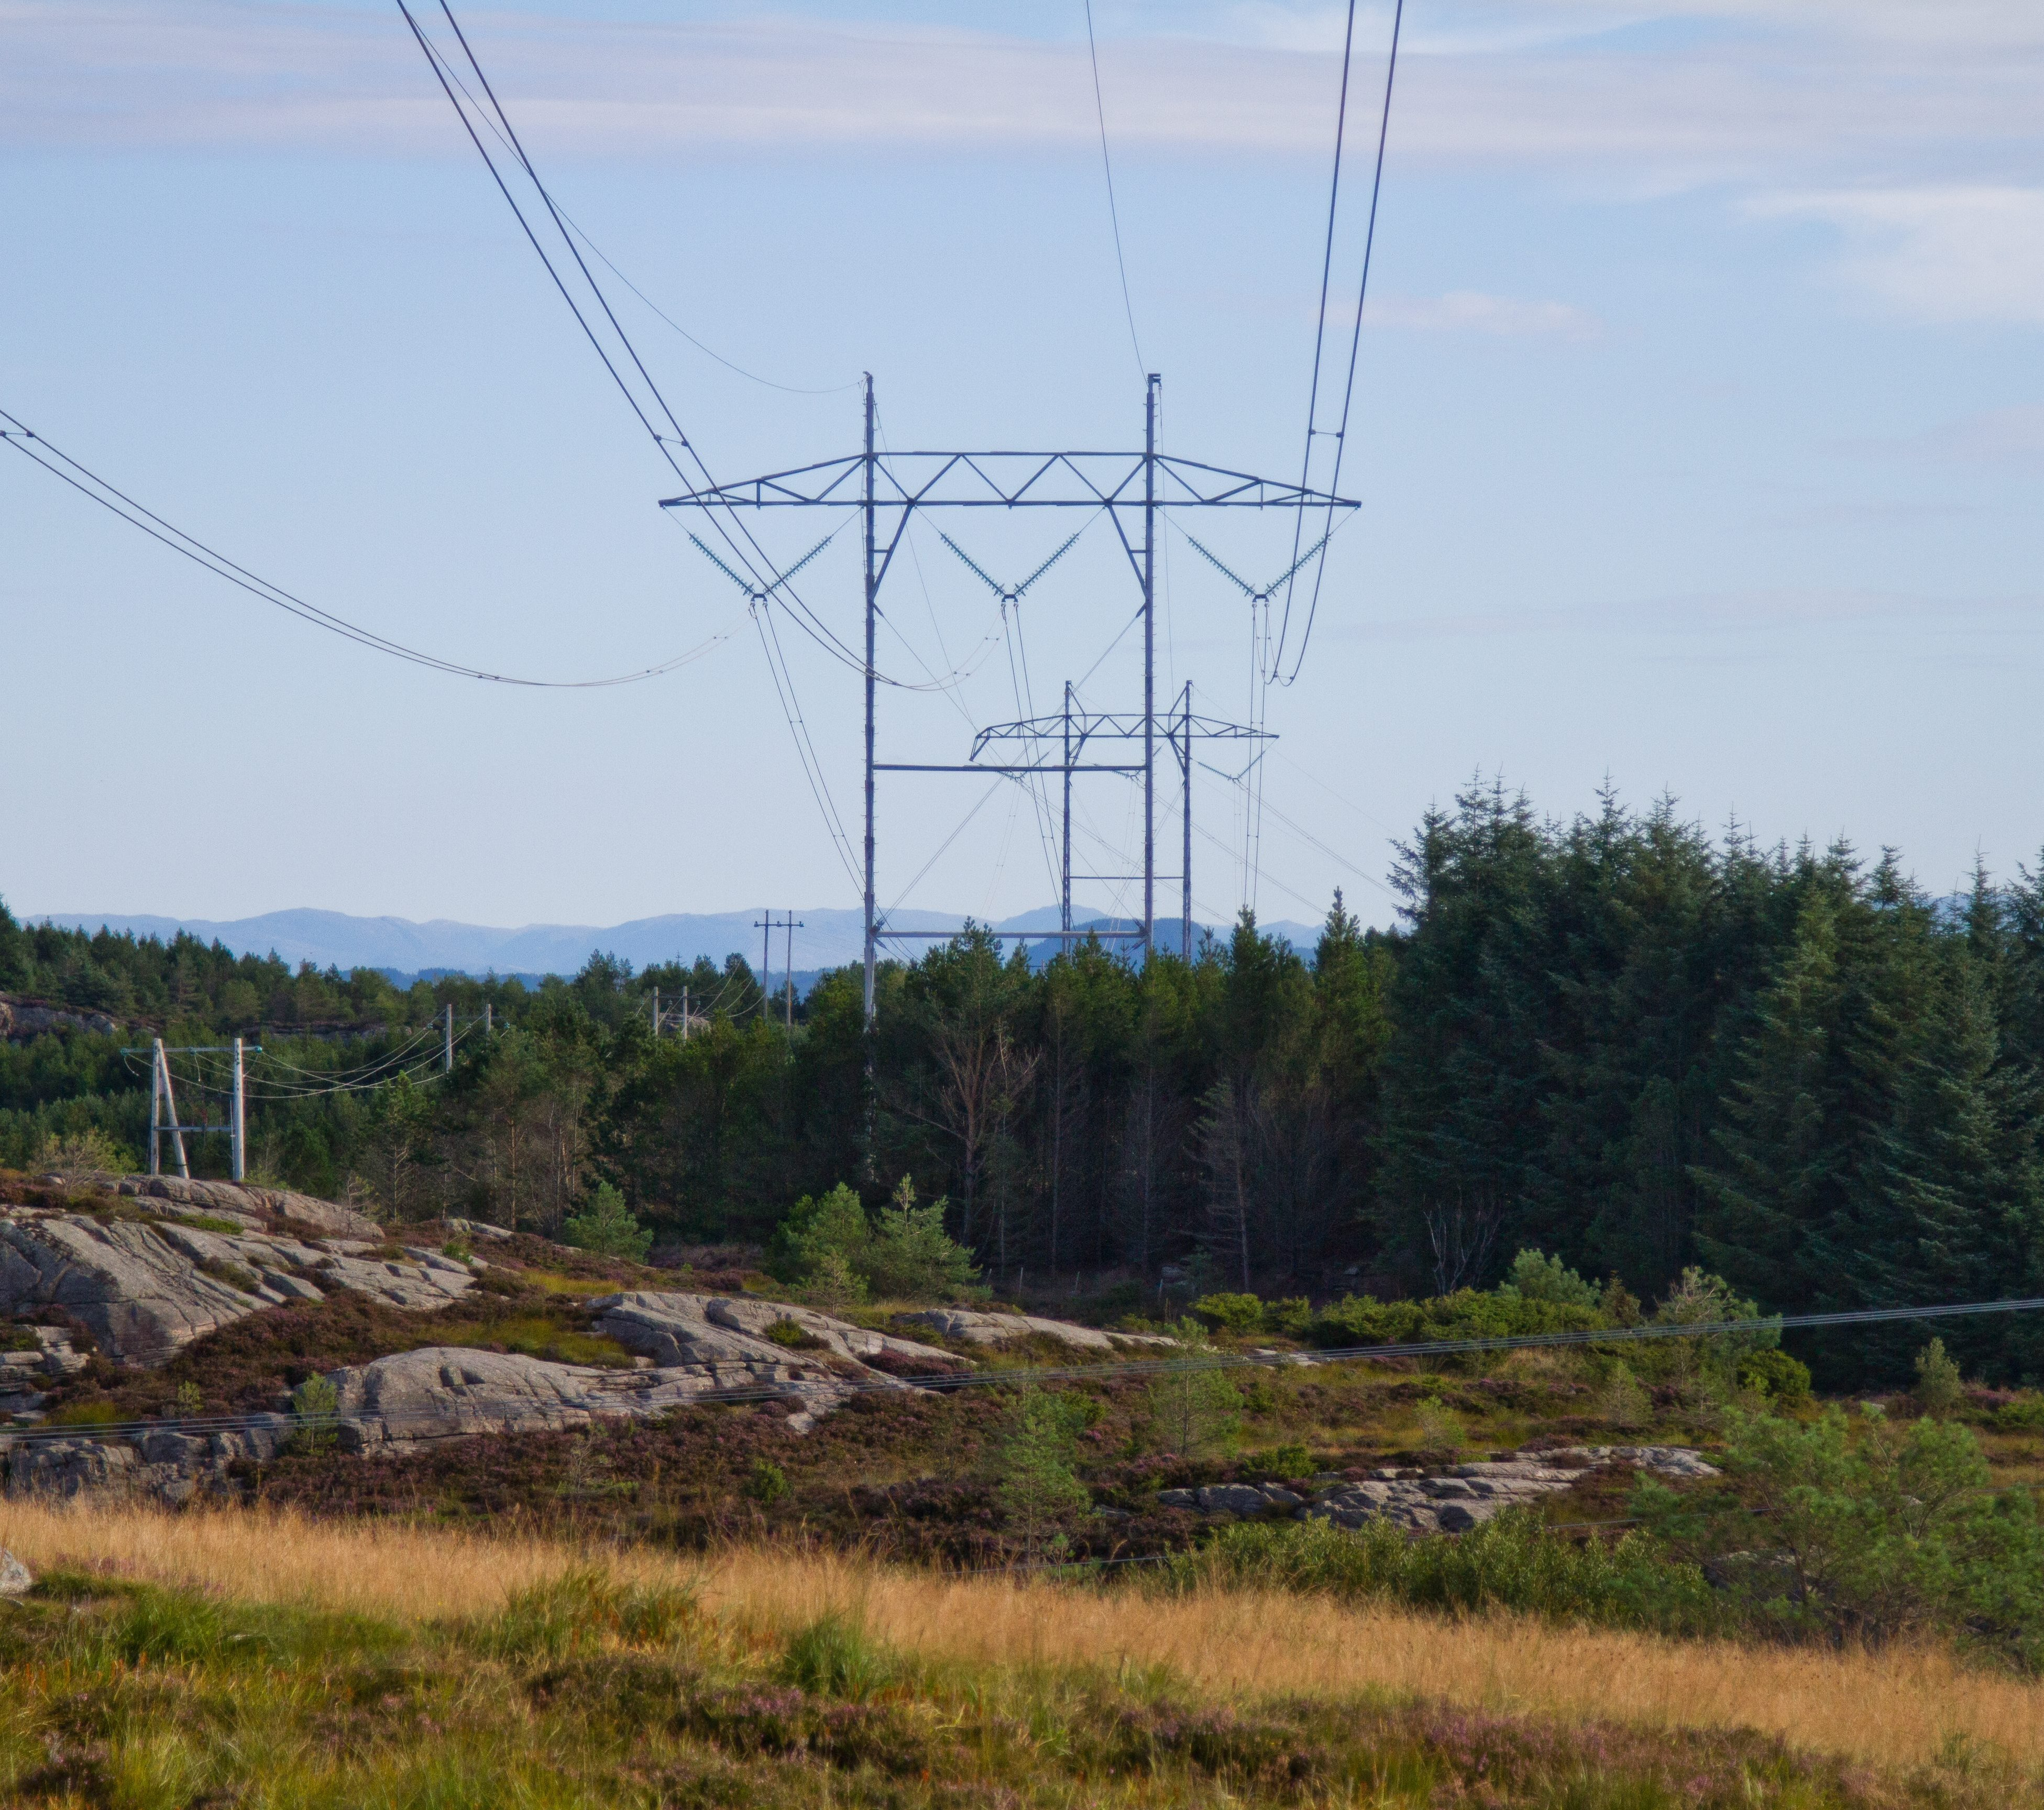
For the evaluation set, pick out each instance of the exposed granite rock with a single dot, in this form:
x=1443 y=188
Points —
x=241 y=1199
x=16 y=1579
x=24 y=1375
x=674 y=1328
x=145 y=1289
x=20 y=1019
x=67 y=1469
x=443 y=1393
x=978 y=1329
x=1452 y=1502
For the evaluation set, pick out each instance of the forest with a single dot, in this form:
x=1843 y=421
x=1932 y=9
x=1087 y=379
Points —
x=1616 y=1039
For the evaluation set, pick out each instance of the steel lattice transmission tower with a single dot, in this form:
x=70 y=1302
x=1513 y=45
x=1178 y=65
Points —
x=1131 y=488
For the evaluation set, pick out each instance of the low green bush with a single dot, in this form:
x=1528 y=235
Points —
x=1512 y=1562
x=1777 y=1376
x=1290 y=1460
x=1468 y=1313
x=1535 y=1276
x=2023 y=1415
x=1878 y=1533
x=1230 y=1313
x=792 y=1335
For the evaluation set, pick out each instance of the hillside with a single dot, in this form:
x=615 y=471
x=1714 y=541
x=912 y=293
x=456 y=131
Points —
x=830 y=938
x=563 y=1527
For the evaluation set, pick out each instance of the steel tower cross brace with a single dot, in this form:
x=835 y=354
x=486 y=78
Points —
x=890 y=489
x=1072 y=728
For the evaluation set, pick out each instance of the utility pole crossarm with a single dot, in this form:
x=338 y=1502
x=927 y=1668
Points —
x=1009 y=480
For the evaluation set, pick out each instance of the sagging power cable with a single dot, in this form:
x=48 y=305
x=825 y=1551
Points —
x=24 y=439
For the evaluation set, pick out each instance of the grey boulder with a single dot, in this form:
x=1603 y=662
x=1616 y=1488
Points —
x=677 y=1328
x=978 y=1329
x=444 y=1392
x=16 y=1579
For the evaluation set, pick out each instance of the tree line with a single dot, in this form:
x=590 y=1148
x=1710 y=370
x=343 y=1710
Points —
x=1615 y=1038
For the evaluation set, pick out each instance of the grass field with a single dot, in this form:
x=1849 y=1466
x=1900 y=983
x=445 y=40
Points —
x=237 y=1658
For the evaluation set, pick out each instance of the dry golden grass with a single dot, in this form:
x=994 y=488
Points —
x=1896 y=1708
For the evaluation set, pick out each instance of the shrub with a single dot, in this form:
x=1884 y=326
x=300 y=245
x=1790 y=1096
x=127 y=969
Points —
x=607 y=1228
x=2023 y=1415
x=1290 y=1460
x=1774 y=1374
x=316 y=1402
x=79 y=1152
x=1512 y=1562
x=766 y=1483
x=1230 y=1313
x=1939 y=1388
x=912 y=1256
x=792 y=1335
x=903 y=1252
x=1440 y=1426
x=190 y=1398
x=1699 y=1299
x=1622 y=1401
x=1468 y=1313
x=1194 y=1411
x=1534 y=1277
x=1038 y=1489
x=1896 y=1532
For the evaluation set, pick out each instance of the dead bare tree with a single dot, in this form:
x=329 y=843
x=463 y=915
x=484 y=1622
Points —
x=1462 y=1237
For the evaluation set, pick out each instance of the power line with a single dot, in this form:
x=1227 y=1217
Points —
x=1355 y=341
x=1113 y=212
x=89 y=484
x=805 y=618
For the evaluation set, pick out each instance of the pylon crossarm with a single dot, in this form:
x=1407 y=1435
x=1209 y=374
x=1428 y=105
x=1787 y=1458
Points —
x=999 y=479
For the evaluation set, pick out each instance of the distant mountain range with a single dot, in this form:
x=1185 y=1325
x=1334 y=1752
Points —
x=828 y=938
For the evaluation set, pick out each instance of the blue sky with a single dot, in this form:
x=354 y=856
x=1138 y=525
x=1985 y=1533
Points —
x=1700 y=419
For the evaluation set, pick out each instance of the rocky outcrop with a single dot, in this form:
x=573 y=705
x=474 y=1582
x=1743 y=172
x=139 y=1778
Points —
x=145 y=1287
x=16 y=1579
x=976 y=1328
x=1231 y=1498
x=444 y=1392
x=697 y=1328
x=25 y=1375
x=1450 y=1502
x=164 y=1465
x=20 y=1019
x=240 y=1199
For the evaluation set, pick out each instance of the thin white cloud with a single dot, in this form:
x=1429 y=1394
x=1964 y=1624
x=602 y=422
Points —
x=1758 y=89
x=1941 y=255
x=1468 y=311
x=1995 y=436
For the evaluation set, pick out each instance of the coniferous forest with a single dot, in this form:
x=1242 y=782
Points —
x=1617 y=1039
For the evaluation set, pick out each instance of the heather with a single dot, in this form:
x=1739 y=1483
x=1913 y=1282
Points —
x=147 y=1668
